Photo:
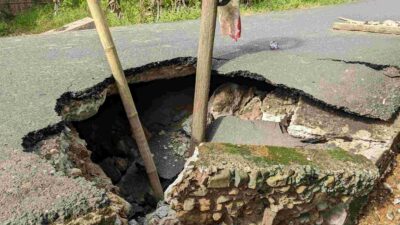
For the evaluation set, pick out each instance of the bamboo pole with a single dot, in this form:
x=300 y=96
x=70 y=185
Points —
x=127 y=100
x=203 y=71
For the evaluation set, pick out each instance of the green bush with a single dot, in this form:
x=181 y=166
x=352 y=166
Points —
x=3 y=28
x=42 y=18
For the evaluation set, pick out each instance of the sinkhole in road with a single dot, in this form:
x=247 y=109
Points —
x=165 y=108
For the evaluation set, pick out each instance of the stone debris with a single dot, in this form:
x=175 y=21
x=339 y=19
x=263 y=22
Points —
x=374 y=139
x=229 y=99
x=116 y=213
x=244 y=180
x=109 y=167
x=63 y=200
x=251 y=104
x=68 y=154
x=252 y=110
x=312 y=179
x=163 y=215
x=278 y=106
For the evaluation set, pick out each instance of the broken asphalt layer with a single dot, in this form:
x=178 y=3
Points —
x=36 y=70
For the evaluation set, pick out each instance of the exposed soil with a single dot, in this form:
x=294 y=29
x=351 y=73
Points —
x=383 y=207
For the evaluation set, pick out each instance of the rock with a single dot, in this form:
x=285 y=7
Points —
x=252 y=110
x=134 y=185
x=388 y=187
x=222 y=199
x=234 y=191
x=137 y=209
x=217 y=216
x=278 y=105
x=228 y=99
x=253 y=179
x=75 y=172
x=163 y=211
x=189 y=204
x=187 y=125
x=163 y=215
x=301 y=189
x=121 y=205
x=283 y=189
x=268 y=217
x=201 y=192
x=329 y=181
x=390 y=215
x=126 y=146
x=218 y=207
x=121 y=164
x=133 y=222
x=108 y=166
x=322 y=206
x=345 y=199
x=204 y=204
x=241 y=177
x=337 y=217
x=277 y=180
x=320 y=221
x=220 y=180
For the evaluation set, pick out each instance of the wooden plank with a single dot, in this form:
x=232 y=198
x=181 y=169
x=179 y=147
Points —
x=383 y=29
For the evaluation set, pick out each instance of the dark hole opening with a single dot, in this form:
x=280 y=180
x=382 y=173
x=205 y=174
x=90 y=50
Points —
x=164 y=108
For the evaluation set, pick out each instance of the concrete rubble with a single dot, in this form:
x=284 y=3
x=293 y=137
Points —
x=327 y=161
x=322 y=90
x=207 y=190
x=238 y=184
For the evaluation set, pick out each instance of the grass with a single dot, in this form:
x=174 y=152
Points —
x=41 y=18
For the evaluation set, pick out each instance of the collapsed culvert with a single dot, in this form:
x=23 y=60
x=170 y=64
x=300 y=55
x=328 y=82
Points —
x=241 y=111
x=165 y=108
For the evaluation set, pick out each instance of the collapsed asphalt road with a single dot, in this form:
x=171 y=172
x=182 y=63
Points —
x=36 y=70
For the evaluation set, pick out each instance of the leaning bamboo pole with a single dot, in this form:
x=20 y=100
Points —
x=125 y=93
x=203 y=71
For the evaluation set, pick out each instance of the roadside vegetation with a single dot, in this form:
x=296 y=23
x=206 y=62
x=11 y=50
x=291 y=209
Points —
x=41 y=18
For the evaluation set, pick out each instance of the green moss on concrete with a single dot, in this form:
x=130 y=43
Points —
x=265 y=155
x=288 y=155
x=342 y=155
x=236 y=149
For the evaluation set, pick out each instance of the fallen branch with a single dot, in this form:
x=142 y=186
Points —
x=386 y=27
